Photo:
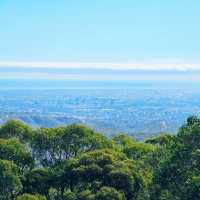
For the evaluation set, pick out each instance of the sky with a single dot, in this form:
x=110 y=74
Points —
x=128 y=34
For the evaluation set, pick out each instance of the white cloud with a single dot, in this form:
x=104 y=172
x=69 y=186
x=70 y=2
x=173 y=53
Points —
x=105 y=65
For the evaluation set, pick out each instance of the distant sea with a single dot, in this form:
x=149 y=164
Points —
x=139 y=108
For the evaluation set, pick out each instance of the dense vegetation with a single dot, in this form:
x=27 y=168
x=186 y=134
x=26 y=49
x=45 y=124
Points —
x=76 y=163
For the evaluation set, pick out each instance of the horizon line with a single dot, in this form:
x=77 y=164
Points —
x=152 y=66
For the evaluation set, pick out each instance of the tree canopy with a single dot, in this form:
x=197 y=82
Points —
x=77 y=163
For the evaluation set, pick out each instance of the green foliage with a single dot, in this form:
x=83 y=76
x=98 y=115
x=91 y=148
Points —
x=68 y=195
x=77 y=139
x=193 y=188
x=37 y=181
x=176 y=173
x=14 y=150
x=30 y=197
x=10 y=183
x=16 y=129
x=77 y=163
x=109 y=193
x=161 y=140
x=124 y=140
x=139 y=150
x=53 y=145
x=45 y=146
x=86 y=195
x=107 y=168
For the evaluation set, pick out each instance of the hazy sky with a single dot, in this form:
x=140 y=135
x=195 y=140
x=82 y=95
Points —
x=121 y=34
x=79 y=74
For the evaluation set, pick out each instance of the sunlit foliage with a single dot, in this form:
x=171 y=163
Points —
x=76 y=163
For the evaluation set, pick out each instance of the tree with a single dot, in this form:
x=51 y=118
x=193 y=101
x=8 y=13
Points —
x=76 y=163
x=68 y=195
x=53 y=145
x=77 y=139
x=14 y=150
x=124 y=140
x=86 y=195
x=139 y=150
x=30 y=197
x=99 y=168
x=17 y=129
x=10 y=183
x=161 y=140
x=109 y=193
x=38 y=181
x=45 y=146
x=176 y=175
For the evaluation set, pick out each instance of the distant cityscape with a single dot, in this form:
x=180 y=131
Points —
x=138 y=111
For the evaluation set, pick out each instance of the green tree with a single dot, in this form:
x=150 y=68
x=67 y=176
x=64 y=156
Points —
x=30 y=197
x=124 y=140
x=53 y=145
x=17 y=129
x=10 y=183
x=174 y=177
x=45 y=146
x=14 y=150
x=109 y=193
x=161 y=140
x=77 y=139
x=68 y=195
x=99 y=168
x=38 y=181
x=86 y=195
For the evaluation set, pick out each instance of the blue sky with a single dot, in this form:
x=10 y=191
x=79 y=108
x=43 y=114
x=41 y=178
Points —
x=100 y=31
